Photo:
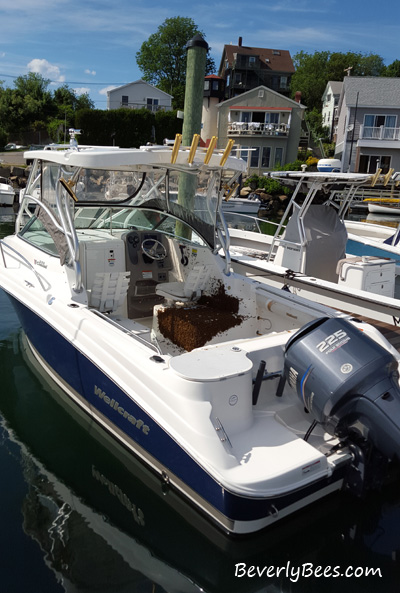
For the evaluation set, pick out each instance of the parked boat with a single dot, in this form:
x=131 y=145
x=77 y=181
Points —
x=384 y=206
x=248 y=400
x=7 y=192
x=239 y=205
x=348 y=264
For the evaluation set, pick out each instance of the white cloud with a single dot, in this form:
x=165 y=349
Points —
x=106 y=89
x=46 y=69
x=2 y=54
x=91 y=72
x=82 y=90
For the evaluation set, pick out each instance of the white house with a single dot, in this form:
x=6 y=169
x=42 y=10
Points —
x=139 y=94
x=330 y=101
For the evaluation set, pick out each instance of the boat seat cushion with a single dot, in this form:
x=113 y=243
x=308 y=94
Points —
x=109 y=290
x=190 y=290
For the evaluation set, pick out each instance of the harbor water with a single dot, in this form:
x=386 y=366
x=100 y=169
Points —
x=80 y=515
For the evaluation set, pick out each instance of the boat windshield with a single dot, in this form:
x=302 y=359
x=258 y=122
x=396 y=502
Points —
x=179 y=203
x=190 y=196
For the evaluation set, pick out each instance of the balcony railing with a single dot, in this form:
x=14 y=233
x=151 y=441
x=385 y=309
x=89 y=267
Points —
x=380 y=133
x=251 y=128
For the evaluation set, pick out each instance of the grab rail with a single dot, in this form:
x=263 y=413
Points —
x=225 y=242
x=72 y=239
x=26 y=262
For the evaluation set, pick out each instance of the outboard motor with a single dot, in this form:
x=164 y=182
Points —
x=348 y=383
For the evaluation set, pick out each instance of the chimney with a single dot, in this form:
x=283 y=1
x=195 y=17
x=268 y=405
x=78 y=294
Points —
x=297 y=97
x=240 y=42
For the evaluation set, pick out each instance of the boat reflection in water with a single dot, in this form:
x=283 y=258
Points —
x=106 y=523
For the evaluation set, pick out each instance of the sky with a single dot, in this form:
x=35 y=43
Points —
x=91 y=45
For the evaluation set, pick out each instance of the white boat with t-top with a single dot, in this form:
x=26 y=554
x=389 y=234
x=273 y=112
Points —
x=316 y=251
x=248 y=400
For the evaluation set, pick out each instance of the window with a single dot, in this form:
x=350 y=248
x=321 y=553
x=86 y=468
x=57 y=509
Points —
x=374 y=123
x=152 y=104
x=271 y=118
x=283 y=82
x=254 y=157
x=238 y=77
x=370 y=163
x=215 y=85
x=252 y=60
x=276 y=52
x=206 y=85
x=266 y=157
x=278 y=157
x=124 y=100
x=244 y=154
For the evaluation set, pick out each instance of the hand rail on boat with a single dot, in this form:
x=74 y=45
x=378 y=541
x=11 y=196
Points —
x=71 y=237
x=225 y=242
x=26 y=262
x=126 y=330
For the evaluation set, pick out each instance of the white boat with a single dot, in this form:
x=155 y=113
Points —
x=7 y=192
x=392 y=208
x=240 y=205
x=319 y=253
x=247 y=400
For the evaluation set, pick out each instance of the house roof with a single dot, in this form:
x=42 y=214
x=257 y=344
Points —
x=372 y=91
x=333 y=86
x=336 y=86
x=138 y=82
x=278 y=60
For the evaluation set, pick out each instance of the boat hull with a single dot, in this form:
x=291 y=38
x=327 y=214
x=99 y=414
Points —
x=100 y=396
x=393 y=210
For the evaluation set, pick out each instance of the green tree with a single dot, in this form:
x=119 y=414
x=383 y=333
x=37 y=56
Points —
x=313 y=71
x=393 y=70
x=67 y=104
x=29 y=101
x=162 y=58
x=31 y=107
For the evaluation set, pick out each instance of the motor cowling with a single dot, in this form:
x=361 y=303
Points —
x=347 y=381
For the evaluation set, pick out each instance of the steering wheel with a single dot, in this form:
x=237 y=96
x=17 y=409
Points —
x=154 y=249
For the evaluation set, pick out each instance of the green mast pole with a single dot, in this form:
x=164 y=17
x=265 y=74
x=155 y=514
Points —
x=195 y=72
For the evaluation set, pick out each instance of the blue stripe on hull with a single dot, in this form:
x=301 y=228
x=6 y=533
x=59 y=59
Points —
x=83 y=375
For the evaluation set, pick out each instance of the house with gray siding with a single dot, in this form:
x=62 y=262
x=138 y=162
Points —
x=139 y=95
x=265 y=126
x=368 y=131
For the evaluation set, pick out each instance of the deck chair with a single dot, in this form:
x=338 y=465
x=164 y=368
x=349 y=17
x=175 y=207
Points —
x=190 y=290
x=109 y=290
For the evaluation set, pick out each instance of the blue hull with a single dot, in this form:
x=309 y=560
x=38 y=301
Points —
x=107 y=400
